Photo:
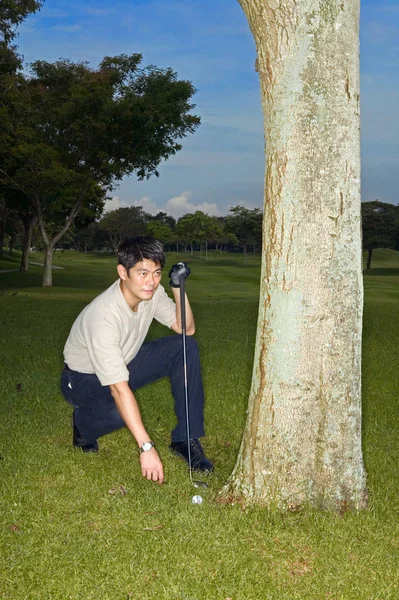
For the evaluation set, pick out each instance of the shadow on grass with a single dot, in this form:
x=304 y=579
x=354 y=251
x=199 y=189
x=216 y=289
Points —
x=381 y=272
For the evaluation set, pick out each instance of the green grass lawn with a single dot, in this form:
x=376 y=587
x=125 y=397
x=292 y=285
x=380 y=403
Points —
x=63 y=535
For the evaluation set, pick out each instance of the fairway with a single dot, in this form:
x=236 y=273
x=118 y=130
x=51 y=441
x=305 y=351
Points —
x=68 y=530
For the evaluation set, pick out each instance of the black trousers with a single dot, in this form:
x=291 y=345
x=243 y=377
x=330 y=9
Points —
x=95 y=411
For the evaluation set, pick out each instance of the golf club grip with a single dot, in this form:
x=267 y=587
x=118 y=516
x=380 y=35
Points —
x=183 y=305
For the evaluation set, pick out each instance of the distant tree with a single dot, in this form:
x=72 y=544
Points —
x=28 y=219
x=186 y=230
x=227 y=239
x=72 y=131
x=14 y=230
x=246 y=224
x=24 y=211
x=124 y=222
x=84 y=238
x=380 y=225
x=213 y=233
x=165 y=218
x=4 y=212
x=197 y=227
x=161 y=231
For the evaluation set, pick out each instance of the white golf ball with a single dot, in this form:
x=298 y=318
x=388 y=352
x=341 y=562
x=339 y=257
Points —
x=197 y=499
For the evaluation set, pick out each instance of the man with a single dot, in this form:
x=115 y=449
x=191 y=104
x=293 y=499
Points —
x=106 y=359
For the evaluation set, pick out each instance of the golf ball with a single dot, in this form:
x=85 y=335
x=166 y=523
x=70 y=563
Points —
x=197 y=499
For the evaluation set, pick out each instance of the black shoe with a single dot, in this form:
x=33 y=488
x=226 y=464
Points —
x=199 y=461
x=79 y=442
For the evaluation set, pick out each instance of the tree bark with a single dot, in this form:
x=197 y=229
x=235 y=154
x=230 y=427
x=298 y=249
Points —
x=48 y=265
x=28 y=222
x=1 y=238
x=302 y=441
x=11 y=243
x=3 y=222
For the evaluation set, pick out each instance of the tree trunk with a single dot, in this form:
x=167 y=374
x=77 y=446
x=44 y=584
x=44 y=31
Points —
x=1 y=238
x=244 y=254
x=50 y=243
x=11 y=243
x=302 y=441
x=369 y=255
x=28 y=222
x=48 y=265
x=3 y=221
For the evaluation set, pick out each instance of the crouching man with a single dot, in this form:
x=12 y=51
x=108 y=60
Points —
x=106 y=359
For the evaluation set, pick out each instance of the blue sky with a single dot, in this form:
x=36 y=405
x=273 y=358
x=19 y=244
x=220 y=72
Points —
x=209 y=42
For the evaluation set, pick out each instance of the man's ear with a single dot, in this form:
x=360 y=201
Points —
x=123 y=274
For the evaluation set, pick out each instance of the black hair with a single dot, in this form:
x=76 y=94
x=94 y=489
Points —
x=133 y=250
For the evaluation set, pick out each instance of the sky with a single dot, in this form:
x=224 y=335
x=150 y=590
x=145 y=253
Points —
x=209 y=43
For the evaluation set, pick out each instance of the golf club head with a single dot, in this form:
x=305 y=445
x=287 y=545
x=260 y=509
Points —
x=200 y=484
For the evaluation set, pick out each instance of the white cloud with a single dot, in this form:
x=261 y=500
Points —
x=113 y=204
x=180 y=205
x=147 y=204
x=176 y=206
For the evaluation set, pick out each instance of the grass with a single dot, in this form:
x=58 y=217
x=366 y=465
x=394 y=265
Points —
x=63 y=535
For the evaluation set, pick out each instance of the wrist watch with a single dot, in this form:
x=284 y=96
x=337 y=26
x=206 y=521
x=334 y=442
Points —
x=146 y=447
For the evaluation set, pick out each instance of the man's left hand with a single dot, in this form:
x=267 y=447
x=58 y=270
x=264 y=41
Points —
x=179 y=272
x=151 y=466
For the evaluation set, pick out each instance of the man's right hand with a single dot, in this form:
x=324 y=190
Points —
x=151 y=466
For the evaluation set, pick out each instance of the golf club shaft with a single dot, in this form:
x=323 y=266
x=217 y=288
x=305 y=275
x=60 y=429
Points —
x=183 y=327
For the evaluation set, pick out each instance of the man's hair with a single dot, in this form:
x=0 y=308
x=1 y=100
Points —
x=133 y=250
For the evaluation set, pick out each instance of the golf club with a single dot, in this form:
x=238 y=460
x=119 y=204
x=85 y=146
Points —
x=197 y=484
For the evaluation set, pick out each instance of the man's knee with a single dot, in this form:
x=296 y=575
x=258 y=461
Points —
x=191 y=343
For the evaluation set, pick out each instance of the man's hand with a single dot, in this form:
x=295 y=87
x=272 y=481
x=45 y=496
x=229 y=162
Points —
x=151 y=466
x=177 y=273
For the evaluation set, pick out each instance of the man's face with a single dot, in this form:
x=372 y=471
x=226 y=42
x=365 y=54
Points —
x=141 y=282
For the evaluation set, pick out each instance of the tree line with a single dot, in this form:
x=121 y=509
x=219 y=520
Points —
x=380 y=221
x=241 y=230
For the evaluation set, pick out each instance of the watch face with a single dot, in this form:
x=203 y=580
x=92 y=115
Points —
x=147 y=446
